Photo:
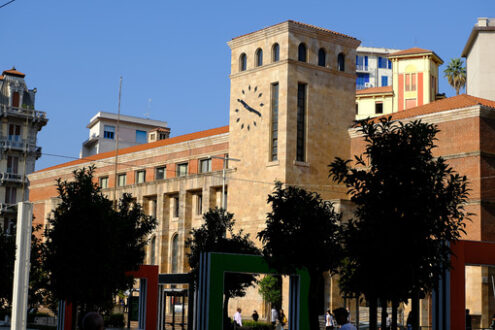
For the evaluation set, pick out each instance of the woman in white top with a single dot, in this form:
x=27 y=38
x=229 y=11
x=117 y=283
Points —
x=329 y=321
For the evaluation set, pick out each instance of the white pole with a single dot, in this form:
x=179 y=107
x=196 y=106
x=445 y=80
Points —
x=22 y=265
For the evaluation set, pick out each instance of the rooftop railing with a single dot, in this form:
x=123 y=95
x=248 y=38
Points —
x=23 y=111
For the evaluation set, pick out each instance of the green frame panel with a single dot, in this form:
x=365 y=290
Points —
x=220 y=263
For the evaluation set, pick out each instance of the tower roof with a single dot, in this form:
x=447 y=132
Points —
x=415 y=51
x=14 y=72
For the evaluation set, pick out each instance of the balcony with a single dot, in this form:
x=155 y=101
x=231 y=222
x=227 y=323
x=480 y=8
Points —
x=362 y=68
x=10 y=178
x=23 y=112
x=15 y=144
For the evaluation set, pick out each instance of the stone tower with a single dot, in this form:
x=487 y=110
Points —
x=19 y=125
x=292 y=100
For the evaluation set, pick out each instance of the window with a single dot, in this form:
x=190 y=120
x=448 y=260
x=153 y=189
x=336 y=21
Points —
x=384 y=63
x=152 y=250
x=259 y=57
x=322 y=57
x=160 y=173
x=108 y=132
x=242 y=62
x=275 y=53
x=357 y=108
x=302 y=53
x=274 y=123
x=389 y=62
x=362 y=63
x=301 y=122
x=341 y=62
x=121 y=180
x=410 y=82
x=384 y=81
x=15 y=99
x=205 y=165
x=182 y=169
x=362 y=80
x=12 y=164
x=141 y=136
x=14 y=132
x=10 y=195
x=176 y=206
x=199 y=204
x=175 y=254
x=140 y=176
x=378 y=107
x=104 y=182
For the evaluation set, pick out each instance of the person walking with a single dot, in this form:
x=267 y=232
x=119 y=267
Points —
x=329 y=321
x=274 y=316
x=238 y=318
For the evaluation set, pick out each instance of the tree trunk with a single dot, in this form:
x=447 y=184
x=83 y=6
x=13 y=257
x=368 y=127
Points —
x=313 y=303
x=384 y=314
x=395 y=304
x=373 y=309
x=226 y=323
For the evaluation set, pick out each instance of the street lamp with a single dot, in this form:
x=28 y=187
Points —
x=225 y=159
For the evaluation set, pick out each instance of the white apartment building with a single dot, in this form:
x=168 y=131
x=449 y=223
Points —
x=480 y=64
x=19 y=126
x=373 y=69
x=104 y=126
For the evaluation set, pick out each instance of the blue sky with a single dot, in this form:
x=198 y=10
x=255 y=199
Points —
x=175 y=52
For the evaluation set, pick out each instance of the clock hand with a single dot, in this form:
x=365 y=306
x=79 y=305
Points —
x=248 y=108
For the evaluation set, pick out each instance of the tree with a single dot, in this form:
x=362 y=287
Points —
x=456 y=74
x=217 y=235
x=90 y=245
x=409 y=204
x=270 y=288
x=302 y=231
x=37 y=276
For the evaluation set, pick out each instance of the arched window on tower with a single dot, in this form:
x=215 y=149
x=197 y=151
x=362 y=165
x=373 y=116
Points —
x=275 y=53
x=175 y=254
x=341 y=62
x=15 y=99
x=259 y=57
x=322 y=57
x=302 y=56
x=242 y=62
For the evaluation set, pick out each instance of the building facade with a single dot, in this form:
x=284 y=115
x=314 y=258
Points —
x=479 y=53
x=19 y=126
x=105 y=127
x=373 y=68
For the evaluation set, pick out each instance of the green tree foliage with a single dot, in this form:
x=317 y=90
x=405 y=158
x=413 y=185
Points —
x=456 y=74
x=90 y=245
x=270 y=288
x=37 y=276
x=217 y=235
x=408 y=206
x=302 y=231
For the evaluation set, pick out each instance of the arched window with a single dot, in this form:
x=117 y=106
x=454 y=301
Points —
x=341 y=62
x=175 y=254
x=302 y=52
x=259 y=57
x=243 y=62
x=275 y=53
x=322 y=57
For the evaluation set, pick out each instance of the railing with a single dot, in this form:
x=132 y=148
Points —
x=10 y=177
x=19 y=144
x=20 y=111
x=362 y=67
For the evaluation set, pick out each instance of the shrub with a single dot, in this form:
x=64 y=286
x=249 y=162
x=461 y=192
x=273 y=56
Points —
x=252 y=325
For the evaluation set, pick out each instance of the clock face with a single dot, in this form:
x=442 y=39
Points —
x=249 y=107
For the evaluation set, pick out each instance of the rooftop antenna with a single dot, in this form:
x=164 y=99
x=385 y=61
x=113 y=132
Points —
x=117 y=145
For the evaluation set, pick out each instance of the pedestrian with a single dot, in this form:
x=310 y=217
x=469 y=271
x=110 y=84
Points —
x=468 y=320
x=388 y=321
x=274 y=316
x=342 y=317
x=329 y=321
x=255 y=316
x=409 y=321
x=492 y=326
x=92 y=321
x=238 y=318
x=281 y=317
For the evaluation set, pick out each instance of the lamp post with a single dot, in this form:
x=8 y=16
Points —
x=226 y=158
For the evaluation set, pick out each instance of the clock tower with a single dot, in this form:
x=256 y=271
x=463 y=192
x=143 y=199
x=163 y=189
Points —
x=292 y=99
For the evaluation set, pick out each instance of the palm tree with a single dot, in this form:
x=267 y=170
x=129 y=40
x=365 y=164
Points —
x=456 y=74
